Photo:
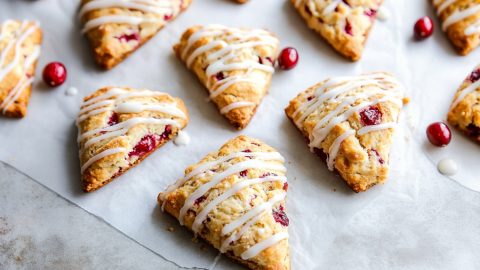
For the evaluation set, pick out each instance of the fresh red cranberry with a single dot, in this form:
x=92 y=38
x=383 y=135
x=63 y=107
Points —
x=243 y=173
x=423 y=28
x=280 y=216
x=219 y=76
x=200 y=199
x=54 y=74
x=371 y=116
x=113 y=120
x=371 y=13
x=439 y=134
x=285 y=186
x=377 y=155
x=144 y=146
x=288 y=58
x=348 y=28
x=474 y=76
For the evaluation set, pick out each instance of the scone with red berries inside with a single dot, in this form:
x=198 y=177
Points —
x=119 y=127
x=115 y=29
x=345 y=24
x=235 y=200
x=19 y=51
x=234 y=64
x=350 y=122
x=464 y=112
x=461 y=22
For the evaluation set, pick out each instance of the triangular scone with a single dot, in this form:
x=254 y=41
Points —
x=117 y=28
x=464 y=112
x=119 y=127
x=235 y=200
x=345 y=24
x=19 y=50
x=461 y=22
x=235 y=65
x=350 y=122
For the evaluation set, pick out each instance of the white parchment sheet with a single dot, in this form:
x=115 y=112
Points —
x=43 y=145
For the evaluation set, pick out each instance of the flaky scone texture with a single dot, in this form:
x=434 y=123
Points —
x=119 y=127
x=118 y=29
x=235 y=66
x=464 y=112
x=345 y=25
x=244 y=175
x=460 y=20
x=349 y=121
x=19 y=49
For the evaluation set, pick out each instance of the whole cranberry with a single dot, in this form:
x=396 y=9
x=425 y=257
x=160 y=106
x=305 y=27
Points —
x=288 y=58
x=439 y=134
x=423 y=28
x=54 y=74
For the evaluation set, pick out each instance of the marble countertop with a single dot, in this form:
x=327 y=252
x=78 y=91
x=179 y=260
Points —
x=41 y=230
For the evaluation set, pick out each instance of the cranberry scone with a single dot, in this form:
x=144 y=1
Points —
x=344 y=24
x=461 y=22
x=115 y=29
x=464 y=111
x=234 y=64
x=350 y=121
x=235 y=200
x=119 y=127
x=19 y=51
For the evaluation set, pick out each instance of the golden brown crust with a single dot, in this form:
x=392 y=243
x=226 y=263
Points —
x=237 y=204
x=137 y=131
x=252 y=85
x=362 y=159
x=15 y=86
x=345 y=26
x=464 y=113
x=456 y=32
x=113 y=42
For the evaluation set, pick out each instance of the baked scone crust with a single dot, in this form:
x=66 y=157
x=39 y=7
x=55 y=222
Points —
x=345 y=25
x=464 y=113
x=245 y=70
x=20 y=46
x=462 y=31
x=133 y=123
x=269 y=167
x=113 y=42
x=355 y=116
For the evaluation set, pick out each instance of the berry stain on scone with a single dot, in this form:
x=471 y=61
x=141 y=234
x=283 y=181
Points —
x=19 y=51
x=117 y=28
x=344 y=24
x=235 y=200
x=234 y=64
x=119 y=127
x=350 y=122
x=461 y=22
x=464 y=112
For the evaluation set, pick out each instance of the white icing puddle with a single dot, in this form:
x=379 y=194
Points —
x=383 y=14
x=447 y=166
x=71 y=91
x=182 y=138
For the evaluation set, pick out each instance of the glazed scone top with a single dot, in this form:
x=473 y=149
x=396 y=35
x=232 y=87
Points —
x=19 y=52
x=452 y=12
x=231 y=56
x=335 y=101
x=113 y=120
x=233 y=198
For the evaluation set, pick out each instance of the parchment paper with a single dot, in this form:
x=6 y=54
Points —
x=43 y=145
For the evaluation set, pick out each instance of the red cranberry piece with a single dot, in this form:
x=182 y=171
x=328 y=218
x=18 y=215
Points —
x=144 y=146
x=439 y=134
x=243 y=173
x=54 y=74
x=371 y=116
x=474 y=76
x=219 y=76
x=167 y=17
x=247 y=151
x=473 y=130
x=113 y=120
x=285 y=186
x=166 y=133
x=348 y=28
x=310 y=98
x=288 y=58
x=280 y=216
x=128 y=37
x=371 y=13
x=378 y=156
x=423 y=28
x=200 y=199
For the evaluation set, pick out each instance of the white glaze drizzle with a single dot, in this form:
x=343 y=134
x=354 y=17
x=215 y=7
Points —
x=222 y=57
x=464 y=92
x=259 y=247
x=15 y=43
x=333 y=151
x=160 y=8
x=458 y=16
x=366 y=129
x=445 y=4
x=331 y=7
x=101 y=155
x=182 y=138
